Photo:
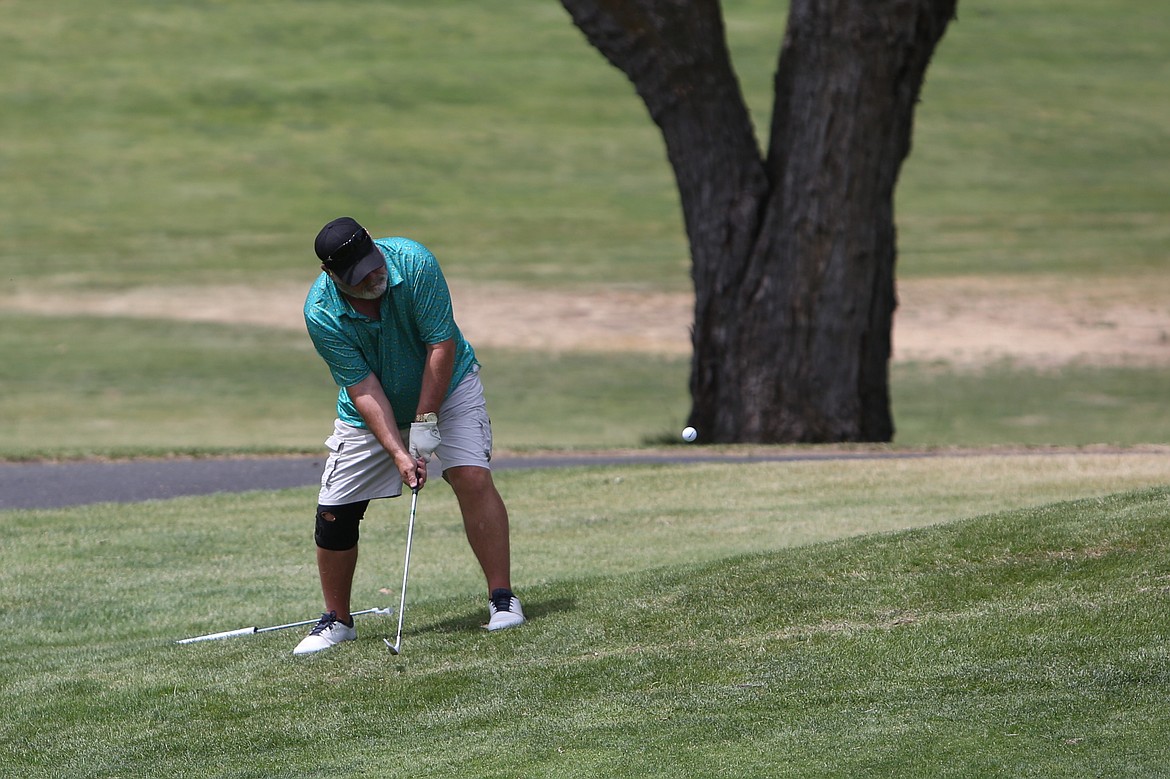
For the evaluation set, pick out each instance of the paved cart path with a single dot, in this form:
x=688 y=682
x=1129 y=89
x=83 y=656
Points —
x=56 y=484
x=42 y=485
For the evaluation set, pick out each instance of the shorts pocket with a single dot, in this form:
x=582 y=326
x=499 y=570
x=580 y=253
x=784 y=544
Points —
x=335 y=446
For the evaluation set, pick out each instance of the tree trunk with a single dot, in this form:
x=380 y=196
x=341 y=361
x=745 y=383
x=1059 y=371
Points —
x=792 y=255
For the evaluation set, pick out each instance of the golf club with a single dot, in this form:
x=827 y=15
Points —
x=252 y=630
x=397 y=645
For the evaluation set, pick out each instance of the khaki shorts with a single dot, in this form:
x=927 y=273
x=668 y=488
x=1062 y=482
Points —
x=358 y=468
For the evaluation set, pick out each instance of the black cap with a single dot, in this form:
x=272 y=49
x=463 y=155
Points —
x=345 y=247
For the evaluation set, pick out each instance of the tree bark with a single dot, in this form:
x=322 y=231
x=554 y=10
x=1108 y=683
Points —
x=792 y=255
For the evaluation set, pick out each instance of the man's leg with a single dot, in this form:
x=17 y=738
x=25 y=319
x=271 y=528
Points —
x=466 y=451
x=337 y=553
x=337 y=536
x=336 y=625
x=336 y=572
x=357 y=465
x=485 y=521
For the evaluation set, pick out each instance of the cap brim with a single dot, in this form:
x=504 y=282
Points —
x=353 y=275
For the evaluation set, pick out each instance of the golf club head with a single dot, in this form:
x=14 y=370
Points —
x=393 y=649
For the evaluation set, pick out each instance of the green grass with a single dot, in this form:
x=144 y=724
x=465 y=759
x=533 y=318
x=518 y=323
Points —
x=123 y=387
x=912 y=617
x=107 y=386
x=1029 y=642
x=1075 y=405
x=1039 y=144
x=228 y=133
x=149 y=142
x=203 y=143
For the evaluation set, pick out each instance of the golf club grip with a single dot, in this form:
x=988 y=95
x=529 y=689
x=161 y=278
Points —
x=216 y=636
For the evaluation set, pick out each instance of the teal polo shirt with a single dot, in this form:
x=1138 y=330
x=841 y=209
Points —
x=416 y=311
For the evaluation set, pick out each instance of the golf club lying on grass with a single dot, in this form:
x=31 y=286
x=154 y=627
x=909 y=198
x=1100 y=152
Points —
x=252 y=630
x=397 y=645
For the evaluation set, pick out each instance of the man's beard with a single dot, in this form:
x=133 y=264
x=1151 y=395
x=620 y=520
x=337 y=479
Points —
x=367 y=291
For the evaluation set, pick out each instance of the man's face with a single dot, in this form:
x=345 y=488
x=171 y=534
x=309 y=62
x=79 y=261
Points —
x=372 y=287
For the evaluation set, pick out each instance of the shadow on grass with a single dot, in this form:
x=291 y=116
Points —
x=533 y=609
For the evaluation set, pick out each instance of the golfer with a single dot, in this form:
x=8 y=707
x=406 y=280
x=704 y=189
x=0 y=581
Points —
x=380 y=316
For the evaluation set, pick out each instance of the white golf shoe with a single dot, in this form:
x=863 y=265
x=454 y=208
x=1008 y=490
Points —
x=329 y=631
x=504 y=610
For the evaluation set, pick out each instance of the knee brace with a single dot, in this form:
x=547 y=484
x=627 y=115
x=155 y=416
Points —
x=337 y=526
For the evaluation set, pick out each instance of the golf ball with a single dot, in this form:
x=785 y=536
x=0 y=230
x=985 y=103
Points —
x=689 y=434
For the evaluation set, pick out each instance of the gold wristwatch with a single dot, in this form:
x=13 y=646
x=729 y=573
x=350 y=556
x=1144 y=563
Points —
x=430 y=416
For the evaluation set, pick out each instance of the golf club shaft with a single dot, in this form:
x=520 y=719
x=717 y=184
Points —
x=314 y=621
x=216 y=636
x=254 y=630
x=405 y=569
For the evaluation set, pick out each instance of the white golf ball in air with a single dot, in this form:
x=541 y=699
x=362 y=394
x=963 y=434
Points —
x=689 y=434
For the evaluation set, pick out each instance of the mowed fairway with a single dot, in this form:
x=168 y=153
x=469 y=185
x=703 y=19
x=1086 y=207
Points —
x=684 y=619
x=997 y=609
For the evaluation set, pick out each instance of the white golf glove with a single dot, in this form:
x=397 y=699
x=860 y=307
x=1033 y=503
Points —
x=424 y=438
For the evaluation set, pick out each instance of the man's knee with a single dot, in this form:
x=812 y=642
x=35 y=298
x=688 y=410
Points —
x=338 y=526
x=471 y=478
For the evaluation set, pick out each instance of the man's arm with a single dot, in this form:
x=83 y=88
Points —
x=440 y=366
x=371 y=402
